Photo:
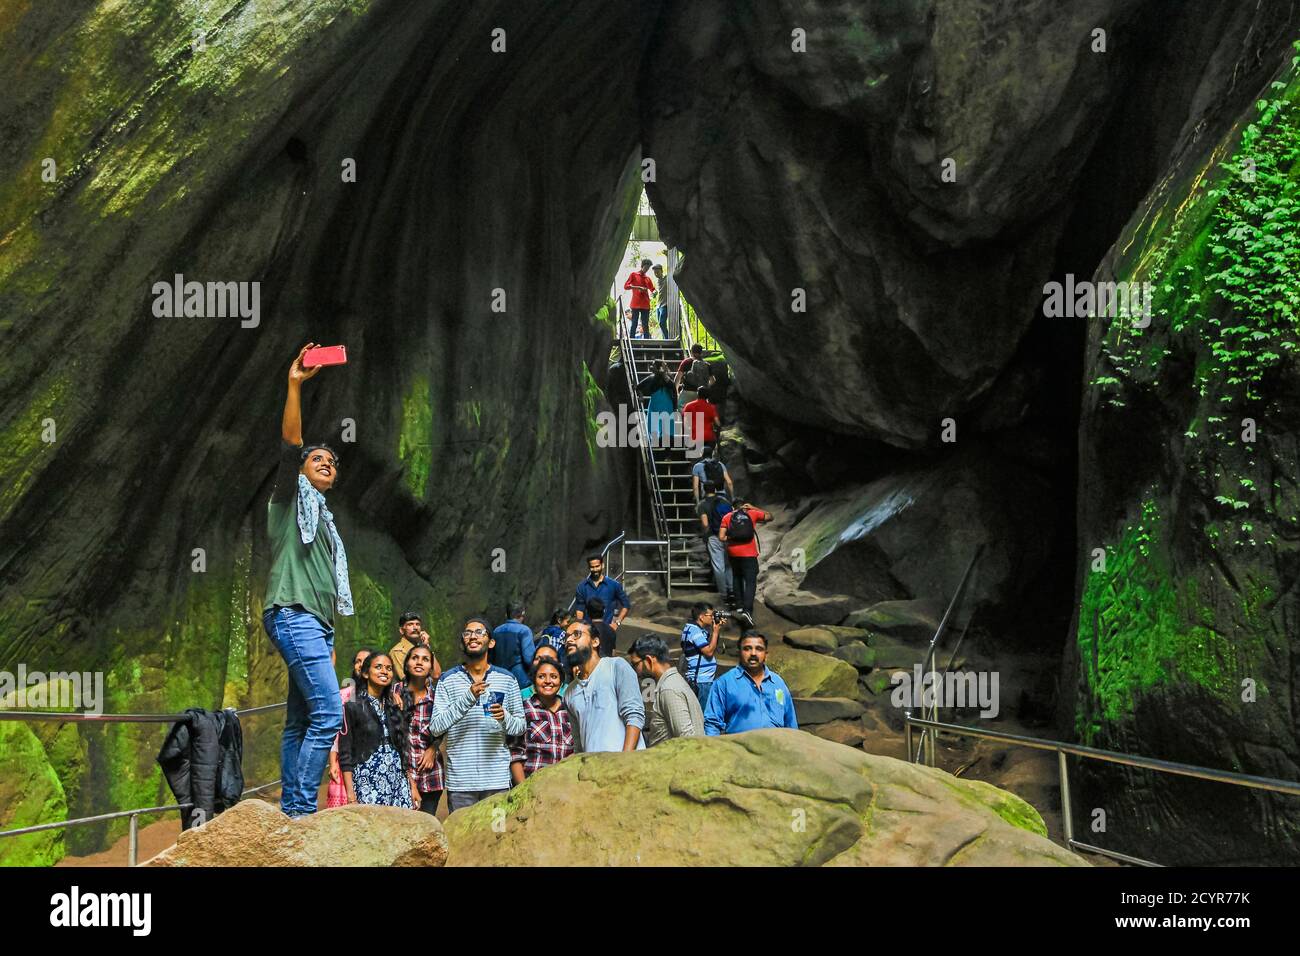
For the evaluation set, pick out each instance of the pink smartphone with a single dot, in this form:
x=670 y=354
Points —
x=325 y=355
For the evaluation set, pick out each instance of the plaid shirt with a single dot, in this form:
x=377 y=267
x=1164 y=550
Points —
x=547 y=739
x=419 y=739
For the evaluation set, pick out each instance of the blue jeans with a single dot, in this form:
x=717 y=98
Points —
x=641 y=317
x=702 y=689
x=661 y=313
x=460 y=799
x=722 y=581
x=314 y=713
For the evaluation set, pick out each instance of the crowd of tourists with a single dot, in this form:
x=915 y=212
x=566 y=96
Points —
x=403 y=728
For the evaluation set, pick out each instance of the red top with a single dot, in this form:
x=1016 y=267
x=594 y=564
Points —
x=641 y=285
x=748 y=549
x=704 y=409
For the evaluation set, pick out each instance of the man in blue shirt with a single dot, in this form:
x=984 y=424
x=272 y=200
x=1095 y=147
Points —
x=699 y=647
x=513 y=647
x=610 y=592
x=749 y=697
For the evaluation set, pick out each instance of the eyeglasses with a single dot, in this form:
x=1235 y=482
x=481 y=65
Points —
x=473 y=632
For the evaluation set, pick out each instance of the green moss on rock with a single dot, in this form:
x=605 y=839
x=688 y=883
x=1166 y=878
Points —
x=30 y=793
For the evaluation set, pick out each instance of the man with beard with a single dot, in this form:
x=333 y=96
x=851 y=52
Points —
x=749 y=697
x=604 y=699
x=479 y=708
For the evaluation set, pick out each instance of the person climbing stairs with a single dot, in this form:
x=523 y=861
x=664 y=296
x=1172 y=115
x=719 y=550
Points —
x=667 y=471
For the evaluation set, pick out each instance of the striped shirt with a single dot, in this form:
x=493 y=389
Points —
x=478 y=751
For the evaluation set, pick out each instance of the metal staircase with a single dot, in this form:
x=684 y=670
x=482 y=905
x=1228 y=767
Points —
x=667 y=470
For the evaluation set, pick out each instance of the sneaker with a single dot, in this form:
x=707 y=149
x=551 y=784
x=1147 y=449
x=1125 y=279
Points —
x=746 y=619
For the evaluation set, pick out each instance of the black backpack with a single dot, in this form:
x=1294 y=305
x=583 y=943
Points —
x=716 y=513
x=698 y=375
x=741 y=529
x=714 y=474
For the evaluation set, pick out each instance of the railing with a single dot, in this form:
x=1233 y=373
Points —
x=618 y=575
x=1063 y=750
x=651 y=472
x=133 y=838
x=693 y=331
x=928 y=735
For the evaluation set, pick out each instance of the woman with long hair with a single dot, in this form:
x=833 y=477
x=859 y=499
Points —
x=336 y=795
x=372 y=754
x=423 y=762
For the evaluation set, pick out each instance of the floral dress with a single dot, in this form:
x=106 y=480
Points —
x=381 y=779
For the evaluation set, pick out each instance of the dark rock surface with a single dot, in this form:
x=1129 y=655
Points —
x=911 y=534
x=475 y=172
x=1186 y=634
x=775 y=172
x=844 y=182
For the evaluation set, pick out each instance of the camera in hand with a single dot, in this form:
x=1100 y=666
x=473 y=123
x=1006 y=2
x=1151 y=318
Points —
x=720 y=616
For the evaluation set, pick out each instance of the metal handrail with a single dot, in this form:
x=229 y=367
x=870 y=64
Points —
x=73 y=717
x=133 y=833
x=928 y=736
x=693 y=330
x=134 y=815
x=657 y=508
x=604 y=560
x=623 y=571
x=1064 y=749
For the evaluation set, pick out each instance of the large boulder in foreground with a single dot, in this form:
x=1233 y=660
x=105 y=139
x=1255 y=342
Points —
x=254 y=833
x=764 y=798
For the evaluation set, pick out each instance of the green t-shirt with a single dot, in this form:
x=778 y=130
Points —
x=302 y=575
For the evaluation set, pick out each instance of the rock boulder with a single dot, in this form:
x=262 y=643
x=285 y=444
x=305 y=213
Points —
x=729 y=801
x=254 y=833
x=810 y=674
x=811 y=639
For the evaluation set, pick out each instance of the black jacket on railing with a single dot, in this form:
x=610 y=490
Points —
x=202 y=761
x=362 y=731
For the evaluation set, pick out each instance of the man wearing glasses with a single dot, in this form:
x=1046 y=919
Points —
x=479 y=708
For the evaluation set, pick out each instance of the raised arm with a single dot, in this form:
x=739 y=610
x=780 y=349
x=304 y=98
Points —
x=450 y=704
x=291 y=421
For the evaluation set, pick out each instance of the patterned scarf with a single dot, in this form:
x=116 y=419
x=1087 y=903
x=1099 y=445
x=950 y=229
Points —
x=311 y=509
